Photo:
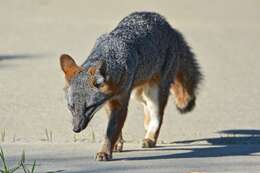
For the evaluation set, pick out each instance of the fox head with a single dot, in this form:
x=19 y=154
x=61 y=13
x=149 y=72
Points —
x=86 y=91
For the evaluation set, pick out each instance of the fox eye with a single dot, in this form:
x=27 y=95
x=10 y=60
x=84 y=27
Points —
x=99 y=82
x=98 y=85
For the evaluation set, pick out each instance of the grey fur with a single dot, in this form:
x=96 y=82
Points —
x=143 y=44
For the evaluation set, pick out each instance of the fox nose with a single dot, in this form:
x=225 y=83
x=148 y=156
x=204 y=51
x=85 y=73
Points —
x=76 y=129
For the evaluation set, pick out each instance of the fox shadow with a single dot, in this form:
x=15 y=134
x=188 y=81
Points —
x=235 y=143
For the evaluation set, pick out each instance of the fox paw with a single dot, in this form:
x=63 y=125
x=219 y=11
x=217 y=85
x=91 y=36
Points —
x=148 y=143
x=118 y=147
x=102 y=156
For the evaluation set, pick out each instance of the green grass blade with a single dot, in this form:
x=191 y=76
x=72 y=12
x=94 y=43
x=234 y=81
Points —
x=22 y=160
x=2 y=155
x=24 y=168
x=33 y=167
x=14 y=169
x=23 y=157
x=55 y=171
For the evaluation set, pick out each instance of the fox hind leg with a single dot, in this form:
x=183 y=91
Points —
x=146 y=118
x=154 y=108
x=137 y=94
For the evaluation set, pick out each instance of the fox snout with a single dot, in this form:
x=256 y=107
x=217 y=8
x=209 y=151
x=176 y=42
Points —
x=76 y=129
x=79 y=124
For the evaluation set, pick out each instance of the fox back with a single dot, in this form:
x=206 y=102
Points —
x=144 y=56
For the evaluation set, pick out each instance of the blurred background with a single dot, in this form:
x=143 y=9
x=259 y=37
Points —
x=224 y=35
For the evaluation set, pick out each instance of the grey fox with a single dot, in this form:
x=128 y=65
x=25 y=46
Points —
x=143 y=57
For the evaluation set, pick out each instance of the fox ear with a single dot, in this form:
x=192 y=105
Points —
x=69 y=66
x=98 y=72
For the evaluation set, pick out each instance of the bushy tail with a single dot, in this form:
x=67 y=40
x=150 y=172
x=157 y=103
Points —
x=187 y=78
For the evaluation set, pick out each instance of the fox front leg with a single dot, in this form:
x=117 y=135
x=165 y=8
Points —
x=117 y=116
x=118 y=147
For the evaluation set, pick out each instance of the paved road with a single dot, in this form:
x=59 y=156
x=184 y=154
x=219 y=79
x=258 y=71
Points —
x=179 y=158
x=225 y=36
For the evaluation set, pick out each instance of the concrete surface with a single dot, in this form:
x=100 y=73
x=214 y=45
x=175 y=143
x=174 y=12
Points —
x=225 y=36
x=181 y=158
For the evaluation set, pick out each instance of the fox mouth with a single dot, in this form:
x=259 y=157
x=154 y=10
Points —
x=90 y=112
x=88 y=115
